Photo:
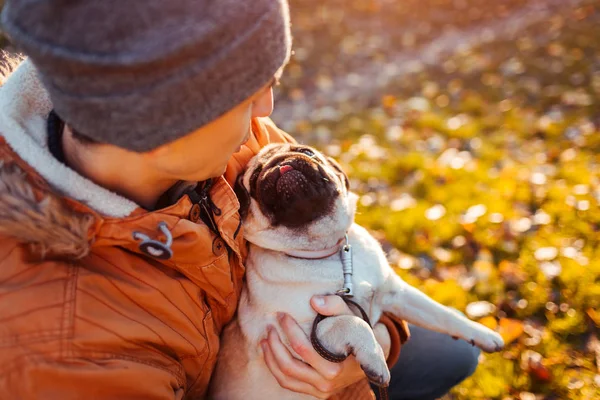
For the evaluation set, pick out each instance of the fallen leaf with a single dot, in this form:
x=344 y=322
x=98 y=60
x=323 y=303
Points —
x=594 y=315
x=490 y=322
x=510 y=329
x=539 y=371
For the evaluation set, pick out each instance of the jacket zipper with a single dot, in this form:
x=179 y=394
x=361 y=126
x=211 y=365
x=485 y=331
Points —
x=208 y=209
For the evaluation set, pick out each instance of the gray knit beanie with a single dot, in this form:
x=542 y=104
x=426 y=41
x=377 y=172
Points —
x=142 y=73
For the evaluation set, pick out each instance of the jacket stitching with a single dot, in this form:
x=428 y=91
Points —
x=149 y=285
x=30 y=311
x=124 y=339
x=122 y=314
x=73 y=291
x=193 y=384
x=179 y=373
x=21 y=362
x=68 y=317
x=198 y=304
x=21 y=289
x=153 y=315
x=214 y=263
x=14 y=341
x=15 y=247
x=195 y=265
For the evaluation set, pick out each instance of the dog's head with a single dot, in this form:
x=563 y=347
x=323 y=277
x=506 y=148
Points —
x=293 y=197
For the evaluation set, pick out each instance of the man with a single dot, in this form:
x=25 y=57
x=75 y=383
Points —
x=121 y=249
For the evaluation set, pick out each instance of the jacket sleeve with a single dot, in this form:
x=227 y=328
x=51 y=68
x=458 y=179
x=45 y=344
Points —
x=275 y=135
x=78 y=378
x=399 y=334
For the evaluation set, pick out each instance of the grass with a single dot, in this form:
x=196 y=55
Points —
x=481 y=177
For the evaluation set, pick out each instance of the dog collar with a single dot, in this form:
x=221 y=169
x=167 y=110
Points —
x=316 y=254
x=345 y=255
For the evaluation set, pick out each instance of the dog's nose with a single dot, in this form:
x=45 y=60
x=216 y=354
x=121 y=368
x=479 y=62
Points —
x=285 y=168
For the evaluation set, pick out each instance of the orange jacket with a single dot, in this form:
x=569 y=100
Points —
x=86 y=312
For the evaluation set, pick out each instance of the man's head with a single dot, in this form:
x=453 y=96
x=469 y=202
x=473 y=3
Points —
x=206 y=151
x=196 y=156
x=140 y=74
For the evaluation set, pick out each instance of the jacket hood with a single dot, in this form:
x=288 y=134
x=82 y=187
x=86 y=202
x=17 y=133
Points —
x=31 y=215
x=45 y=223
x=24 y=109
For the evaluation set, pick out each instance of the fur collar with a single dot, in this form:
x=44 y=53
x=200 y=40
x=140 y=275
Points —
x=44 y=221
x=46 y=224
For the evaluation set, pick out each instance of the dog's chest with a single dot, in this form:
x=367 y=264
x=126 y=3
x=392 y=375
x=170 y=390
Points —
x=279 y=283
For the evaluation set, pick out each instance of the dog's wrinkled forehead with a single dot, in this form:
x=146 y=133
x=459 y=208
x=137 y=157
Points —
x=274 y=149
x=267 y=153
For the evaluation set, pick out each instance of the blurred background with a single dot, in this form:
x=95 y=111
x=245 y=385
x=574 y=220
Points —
x=470 y=129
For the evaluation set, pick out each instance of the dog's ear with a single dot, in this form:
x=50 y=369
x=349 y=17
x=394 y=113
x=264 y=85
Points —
x=242 y=195
x=338 y=168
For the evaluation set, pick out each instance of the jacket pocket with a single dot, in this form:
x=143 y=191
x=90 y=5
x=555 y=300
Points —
x=218 y=278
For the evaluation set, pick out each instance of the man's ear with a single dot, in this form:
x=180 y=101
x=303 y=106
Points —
x=242 y=195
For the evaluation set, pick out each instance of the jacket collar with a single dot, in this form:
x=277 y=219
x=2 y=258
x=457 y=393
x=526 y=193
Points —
x=45 y=203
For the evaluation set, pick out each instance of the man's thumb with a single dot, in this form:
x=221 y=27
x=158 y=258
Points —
x=330 y=305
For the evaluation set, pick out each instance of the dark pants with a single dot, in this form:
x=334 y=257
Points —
x=430 y=364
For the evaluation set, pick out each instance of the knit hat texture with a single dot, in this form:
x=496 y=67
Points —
x=142 y=73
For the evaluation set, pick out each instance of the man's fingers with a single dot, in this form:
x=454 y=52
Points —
x=285 y=381
x=383 y=338
x=330 y=305
x=303 y=347
x=291 y=366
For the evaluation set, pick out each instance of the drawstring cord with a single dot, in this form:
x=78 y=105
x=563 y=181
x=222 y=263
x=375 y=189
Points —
x=156 y=248
x=208 y=210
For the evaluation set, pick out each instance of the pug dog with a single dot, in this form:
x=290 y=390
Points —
x=298 y=212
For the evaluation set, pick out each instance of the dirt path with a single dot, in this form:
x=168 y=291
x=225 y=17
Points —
x=373 y=79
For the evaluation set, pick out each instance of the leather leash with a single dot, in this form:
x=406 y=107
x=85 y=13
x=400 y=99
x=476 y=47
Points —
x=338 y=358
x=345 y=294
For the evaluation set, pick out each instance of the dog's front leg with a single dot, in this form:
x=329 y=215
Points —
x=413 y=306
x=345 y=335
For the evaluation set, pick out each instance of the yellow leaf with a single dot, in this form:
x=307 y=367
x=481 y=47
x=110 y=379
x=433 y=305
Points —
x=594 y=315
x=510 y=329
x=389 y=101
x=490 y=322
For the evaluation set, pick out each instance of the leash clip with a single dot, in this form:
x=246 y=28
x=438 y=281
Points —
x=346 y=256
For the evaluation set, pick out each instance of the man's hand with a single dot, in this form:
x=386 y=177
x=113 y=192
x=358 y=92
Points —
x=316 y=376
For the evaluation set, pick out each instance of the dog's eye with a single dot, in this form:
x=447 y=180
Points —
x=308 y=152
x=253 y=179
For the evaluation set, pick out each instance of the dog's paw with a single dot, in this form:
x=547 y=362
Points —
x=487 y=340
x=372 y=361
x=345 y=334
x=377 y=372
